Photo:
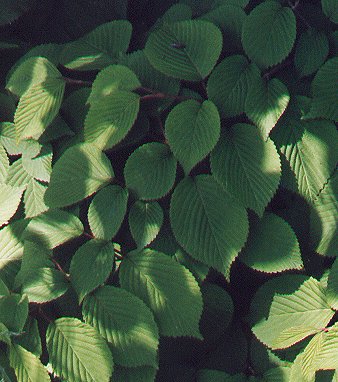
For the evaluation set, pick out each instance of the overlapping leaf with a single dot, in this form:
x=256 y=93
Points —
x=247 y=166
x=82 y=170
x=38 y=164
x=13 y=311
x=8 y=139
x=192 y=130
x=10 y=198
x=34 y=199
x=17 y=175
x=332 y=286
x=186 y=50
x=269 y=28
x=197 y=211
x=167 y=287
x=4 y=164
x=126 y=322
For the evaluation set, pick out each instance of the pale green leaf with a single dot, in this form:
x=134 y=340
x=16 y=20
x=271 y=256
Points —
x=145 y=221
x=291 y=336
x=91 y=266
x=311 y=51
x=265 y=104
x=168 y=288
x=134 y=374
x=332 y=286
x=306 y=307
x=99 y=48
x=27 y=366
x=192 y=130
x=126 y=322
x=8 y=139
x=38 y=107
x=106 y=211
x=17 y=175
x=53 y=228
x=150 y=171
x=14 y=311
x=4 y=164
x=111 y=79
x=309 y=354
x=229 y=84
x=109 y=120
x=10 y=198
x=34 y=199
x=88 y=356
x=30 y=72
x=185 y=49
x=38 y=165
x=81 y=171
x=260 y=255
x=330 y=9
x=247 y=166
x=269 y=33
x=44 y=285
x=208 y=237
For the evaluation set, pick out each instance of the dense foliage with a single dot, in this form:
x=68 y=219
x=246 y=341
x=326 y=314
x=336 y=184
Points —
x=168 y=204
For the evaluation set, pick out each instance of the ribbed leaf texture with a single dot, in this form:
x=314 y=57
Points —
x=27 y=366
x=81 y=171
x=77 y=352
x=247 y=166
x=330 y=10
x=197 y=211
x=192 y=130
x=10 y=198
x=109 y=120
x=332 y=286
x=269 y=28
x=14 y=311
x=38 y=164
x=53 y=228
x=8 y=139
x=106 y=211
x=311 y=51
x=126 y=322
x=34 y=199
x=229 y=83
x=186 y=50
x=91 y=266
x=168 y=288
x=306 y=307
x=291 y=336
x=260 y=255
x=17 y=175
x=4 y=164
x=265 y=104
x=99 y=48
x=150 y=171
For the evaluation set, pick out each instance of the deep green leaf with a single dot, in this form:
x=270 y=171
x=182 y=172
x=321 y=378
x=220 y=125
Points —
x=134 y=374
x=167 y=287
x=30 y=338
x=207 y=375
x=150 y=171
x=91 y=266
x=4 y=291
x=5 y=336
x=332 y=286
x=88 y=356
x=13 y=311
x=192 y=130
x=126 y=322
x=106 y=211
x=330 y=10
x=186 y=50
x=82 y=170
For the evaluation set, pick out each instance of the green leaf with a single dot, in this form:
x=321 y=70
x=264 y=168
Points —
x=145 y=221
x=106 y=211
x=99 y=48
x=150 y=171
x=88 y=356
x=192 y=130
x=30 y=338
x=265 y=104
x=134 y=374
x=8 y=139
x=310 y=149
x=324 y=219
x=4 y=164
x=10 y=198
x=38 y=164
x=27 y=366
x=30 y=72
x=330 y=10
x=269 y=33
x=13 y=311
x=186 y=50
x=247 y=166
x=208 y=237
x=111 y=79
x=332 y=286
x=91 y=266
x=17 y=176
x=53 y=228
x=278 y=374
x=325 y=98
x=229 y=84
x=126 y=322
x=207 y=375
x=4 y=291
x=44 y=285
x=5 y=336
x=82 y=170
x=306 y=307
x=167 y=287
x=34 y=199
x=198 y=269
x=291 y=336
x=260 y=255
x=311 y=51
x=109 y=120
